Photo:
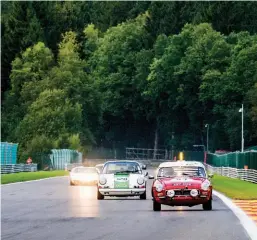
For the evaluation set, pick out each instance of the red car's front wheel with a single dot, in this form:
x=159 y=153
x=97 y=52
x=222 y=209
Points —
x=208 y=205
x=156 y=206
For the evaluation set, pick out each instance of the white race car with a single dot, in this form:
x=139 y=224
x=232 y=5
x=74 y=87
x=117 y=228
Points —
x=83 y=176
x=122 y=178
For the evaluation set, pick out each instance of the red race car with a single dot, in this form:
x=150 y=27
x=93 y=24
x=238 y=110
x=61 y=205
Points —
x=182 y=183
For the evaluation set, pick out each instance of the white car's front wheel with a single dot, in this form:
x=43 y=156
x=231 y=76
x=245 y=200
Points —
x=143 y=196
x=99 y=195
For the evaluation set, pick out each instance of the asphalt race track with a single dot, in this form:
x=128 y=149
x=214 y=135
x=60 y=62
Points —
x=51 y=209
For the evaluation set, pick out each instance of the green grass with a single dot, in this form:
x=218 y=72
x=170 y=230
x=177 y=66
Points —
x=235 y=188
x=27 y=176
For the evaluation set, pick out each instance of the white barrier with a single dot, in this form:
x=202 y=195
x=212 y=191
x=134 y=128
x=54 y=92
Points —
x=15 y=168
x=249 y=175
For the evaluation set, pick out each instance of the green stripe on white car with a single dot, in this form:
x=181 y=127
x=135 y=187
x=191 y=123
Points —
x=121 y=181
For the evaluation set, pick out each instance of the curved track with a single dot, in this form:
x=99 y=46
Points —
x=51 y=209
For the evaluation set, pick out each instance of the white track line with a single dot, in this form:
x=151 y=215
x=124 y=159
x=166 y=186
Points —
x=38 y=180
x=248 y=224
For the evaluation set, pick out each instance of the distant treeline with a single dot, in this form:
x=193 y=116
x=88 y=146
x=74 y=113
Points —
x=135 y=74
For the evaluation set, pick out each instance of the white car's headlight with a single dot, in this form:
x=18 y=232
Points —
x=205 y=185
x=140 y=180
x=193 y=192
x=102 y=180
x=158 y=186
x=72 y=176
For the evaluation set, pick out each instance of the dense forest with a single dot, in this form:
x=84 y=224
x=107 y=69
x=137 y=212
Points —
x=116 y=74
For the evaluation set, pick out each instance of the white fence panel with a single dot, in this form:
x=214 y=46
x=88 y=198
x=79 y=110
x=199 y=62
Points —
x=15 y=168
x=249 y=175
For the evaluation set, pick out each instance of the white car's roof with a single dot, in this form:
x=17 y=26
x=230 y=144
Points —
x=82 y=167
x=117 y=161
x=181 y=163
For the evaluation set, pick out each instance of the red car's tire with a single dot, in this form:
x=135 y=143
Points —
x=156 y=206
x=207 y=206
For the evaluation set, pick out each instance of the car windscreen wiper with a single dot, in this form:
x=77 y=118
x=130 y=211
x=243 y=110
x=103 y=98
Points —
x=186 y=174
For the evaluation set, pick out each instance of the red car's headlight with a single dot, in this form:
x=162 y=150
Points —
x=158 y=186
x=205 y=185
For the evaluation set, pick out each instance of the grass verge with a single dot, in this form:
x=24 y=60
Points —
x=27 y=176
x=235 y=188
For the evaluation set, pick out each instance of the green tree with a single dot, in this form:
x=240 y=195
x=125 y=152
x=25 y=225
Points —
x=28 y=72
x=252 y=95
x=92 y=36
x=135 y=78
x=120 y=66
x=176 y=77
x=51 y=115
x=22 y=29
x=108 y=14
x=38 y=144
x=70 y=76
x=163 y=86
x=224 y=91
x=225 y=17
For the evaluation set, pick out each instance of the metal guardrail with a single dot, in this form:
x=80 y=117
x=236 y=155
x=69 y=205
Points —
x=15 y=168
x=249 y=175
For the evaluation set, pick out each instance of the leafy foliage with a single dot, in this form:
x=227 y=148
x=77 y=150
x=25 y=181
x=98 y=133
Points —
x=116 y=74
x=200 y=58
x=50 y=115
x=28 y=72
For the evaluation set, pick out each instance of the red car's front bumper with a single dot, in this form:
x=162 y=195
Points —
x=188 y=200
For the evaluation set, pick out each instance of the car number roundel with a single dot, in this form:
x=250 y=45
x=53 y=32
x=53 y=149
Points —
x=121 y=179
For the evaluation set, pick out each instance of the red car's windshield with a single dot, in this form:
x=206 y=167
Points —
x=181 y=171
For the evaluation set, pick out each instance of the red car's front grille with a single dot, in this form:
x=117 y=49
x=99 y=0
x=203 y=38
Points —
x=182 y=192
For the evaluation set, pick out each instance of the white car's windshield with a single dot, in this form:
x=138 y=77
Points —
x=99 y=168
x=122 y=167
x=181 y=171
x=84 y=170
